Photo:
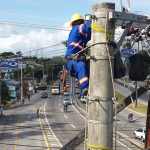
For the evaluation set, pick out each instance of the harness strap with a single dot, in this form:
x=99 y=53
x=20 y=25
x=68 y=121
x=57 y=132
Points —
x=77 y=45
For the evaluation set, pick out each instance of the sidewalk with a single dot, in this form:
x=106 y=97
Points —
x=14 y=104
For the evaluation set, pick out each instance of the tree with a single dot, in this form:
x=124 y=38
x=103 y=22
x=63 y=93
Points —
x=6 y=54
x=4 y=92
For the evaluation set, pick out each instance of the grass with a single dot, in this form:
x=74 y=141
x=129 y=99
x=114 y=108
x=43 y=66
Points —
x=141 y=108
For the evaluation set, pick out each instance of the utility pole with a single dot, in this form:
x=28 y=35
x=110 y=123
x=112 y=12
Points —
x=147 y=134
x=100 y=105
x=21 y=90
x=0 y=87
x=52 y=70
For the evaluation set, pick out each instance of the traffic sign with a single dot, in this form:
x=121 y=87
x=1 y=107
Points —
x=128 y=52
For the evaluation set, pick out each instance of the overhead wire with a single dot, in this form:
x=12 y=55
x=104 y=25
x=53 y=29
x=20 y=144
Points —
x=34 y=25
x=42 y=48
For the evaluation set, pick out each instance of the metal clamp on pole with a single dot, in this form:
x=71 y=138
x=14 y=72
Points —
x=96 y=58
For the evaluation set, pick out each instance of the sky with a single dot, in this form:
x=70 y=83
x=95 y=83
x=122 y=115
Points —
x=46 y=13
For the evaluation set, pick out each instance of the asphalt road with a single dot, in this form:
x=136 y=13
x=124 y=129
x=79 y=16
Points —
x=20 y=128
x=67 y=125
x=64 y=125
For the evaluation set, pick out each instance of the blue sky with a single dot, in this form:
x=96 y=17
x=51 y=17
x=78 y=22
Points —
x=45 y=12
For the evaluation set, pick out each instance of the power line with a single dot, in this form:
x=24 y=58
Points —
x=56 y=51
x=34 y=25
x=42 y=48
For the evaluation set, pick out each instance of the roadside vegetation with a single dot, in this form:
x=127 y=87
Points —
x=36 y=68
x=141 y=108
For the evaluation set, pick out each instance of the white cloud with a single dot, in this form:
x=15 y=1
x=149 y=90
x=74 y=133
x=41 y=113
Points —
x=12 y=39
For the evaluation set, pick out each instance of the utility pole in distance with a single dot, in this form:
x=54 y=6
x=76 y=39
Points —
x=100 y=105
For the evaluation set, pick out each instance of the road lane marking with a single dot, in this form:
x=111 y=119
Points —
x=59 y=104
x=142 y=123
x=79 y=113
x=61 y=109
x=49 y=125
x=59 y=98
x=73 y=126
x=44 y=135
x=17 y=132
x=123 y=145
x=65 y=116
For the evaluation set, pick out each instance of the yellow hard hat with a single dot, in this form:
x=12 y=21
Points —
x=75 y=17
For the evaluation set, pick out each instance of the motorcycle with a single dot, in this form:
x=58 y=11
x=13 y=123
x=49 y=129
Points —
x=65 y=108
x=131 y=118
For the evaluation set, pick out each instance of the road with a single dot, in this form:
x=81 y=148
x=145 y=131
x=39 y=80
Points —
x=20 y=128
x=72 y=122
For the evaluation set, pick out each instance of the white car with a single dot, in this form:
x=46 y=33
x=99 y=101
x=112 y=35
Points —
x=140 y=134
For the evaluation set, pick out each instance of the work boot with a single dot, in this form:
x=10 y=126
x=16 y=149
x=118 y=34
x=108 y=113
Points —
x=85 y=92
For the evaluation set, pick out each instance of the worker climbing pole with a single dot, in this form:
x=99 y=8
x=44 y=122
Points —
x=100 y=106
x=103 y=69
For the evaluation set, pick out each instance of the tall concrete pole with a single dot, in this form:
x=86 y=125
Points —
x=147 y=134
x=21 y=81
x=100 y=106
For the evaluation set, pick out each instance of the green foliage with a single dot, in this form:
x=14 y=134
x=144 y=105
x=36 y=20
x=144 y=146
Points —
x=19 y=53
x=7 y=54
x=59 y=60
x=38 y=73
x=141 y=108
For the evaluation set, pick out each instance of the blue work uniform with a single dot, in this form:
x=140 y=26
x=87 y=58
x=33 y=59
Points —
x=78 y=38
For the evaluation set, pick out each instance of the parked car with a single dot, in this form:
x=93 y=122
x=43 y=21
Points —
x=140 y=134
x=44 y=95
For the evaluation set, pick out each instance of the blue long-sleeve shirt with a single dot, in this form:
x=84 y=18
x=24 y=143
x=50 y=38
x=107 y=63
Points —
x=78 y=38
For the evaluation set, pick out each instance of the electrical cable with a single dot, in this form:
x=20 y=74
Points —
x=34 y=25
x=42 y=48
x=52 y=51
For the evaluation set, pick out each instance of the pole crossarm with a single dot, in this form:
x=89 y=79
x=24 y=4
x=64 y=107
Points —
x=129 y=17
x=138 y=21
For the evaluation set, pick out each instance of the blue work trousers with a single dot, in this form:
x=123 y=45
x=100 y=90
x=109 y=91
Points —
x=80 y=70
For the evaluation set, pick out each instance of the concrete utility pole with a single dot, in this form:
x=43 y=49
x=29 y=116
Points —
x=147 y=134
x=100 y=106
x=21 y=82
